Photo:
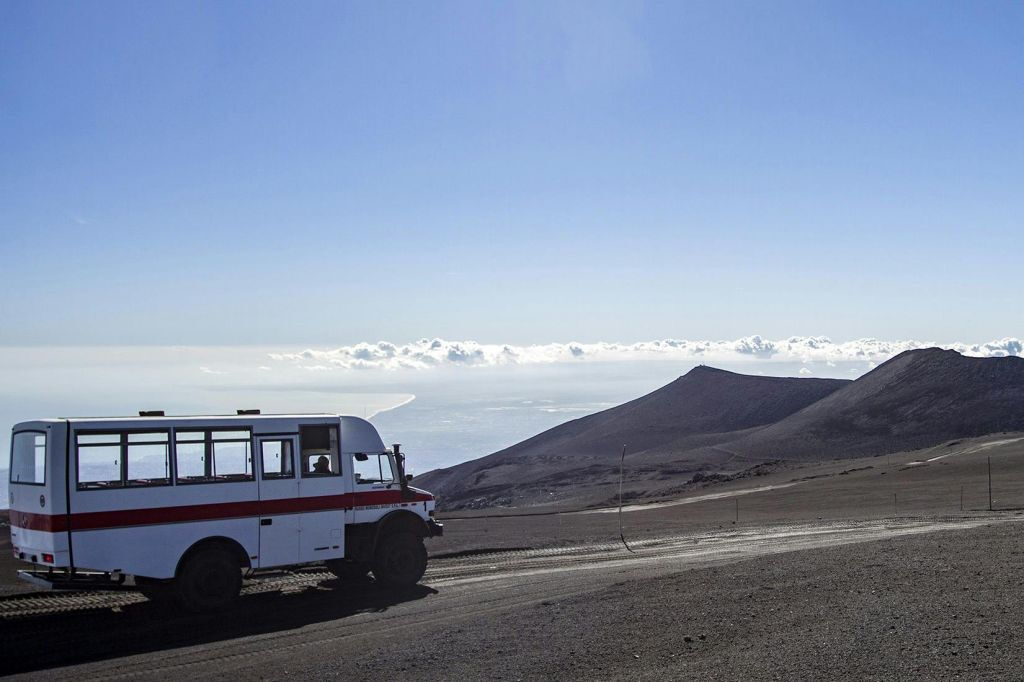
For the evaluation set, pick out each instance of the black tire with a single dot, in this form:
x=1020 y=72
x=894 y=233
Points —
x=348 y=570
x=210 y=580
x=400 y=560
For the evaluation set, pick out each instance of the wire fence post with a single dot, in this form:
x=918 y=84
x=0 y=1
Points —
x=622 y=467
x=990 y=483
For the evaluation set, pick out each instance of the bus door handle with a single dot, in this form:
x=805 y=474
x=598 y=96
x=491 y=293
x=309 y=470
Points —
x=266 y=522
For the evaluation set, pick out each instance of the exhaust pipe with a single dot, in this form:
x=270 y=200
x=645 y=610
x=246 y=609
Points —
x=403 y=480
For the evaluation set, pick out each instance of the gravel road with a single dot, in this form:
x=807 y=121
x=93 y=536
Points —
x=924 y=598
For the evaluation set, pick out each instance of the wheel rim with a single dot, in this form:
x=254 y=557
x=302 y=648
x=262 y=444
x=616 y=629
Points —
x=401 y=562
x=212 y=583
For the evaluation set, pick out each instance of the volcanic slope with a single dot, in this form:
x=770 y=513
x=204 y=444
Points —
x=701 y=408
x=917 y=399
x=712 y=420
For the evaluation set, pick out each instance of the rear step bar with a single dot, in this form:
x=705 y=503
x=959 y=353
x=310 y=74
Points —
x=49 y=580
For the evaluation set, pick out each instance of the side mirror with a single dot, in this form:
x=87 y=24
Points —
x=361 y=456
x=408 y=477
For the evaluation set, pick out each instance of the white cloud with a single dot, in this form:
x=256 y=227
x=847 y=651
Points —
x=428 y=353
x=805 y=371
x=207 y=370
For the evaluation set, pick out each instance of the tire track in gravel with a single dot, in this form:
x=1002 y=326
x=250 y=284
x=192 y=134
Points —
x=466 y=588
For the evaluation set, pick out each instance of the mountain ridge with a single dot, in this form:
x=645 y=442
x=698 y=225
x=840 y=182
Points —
x=698 y=404
x=710 y=419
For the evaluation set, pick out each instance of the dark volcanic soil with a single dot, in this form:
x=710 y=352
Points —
x=941 y=598
x=940 y=606
x=934 y=481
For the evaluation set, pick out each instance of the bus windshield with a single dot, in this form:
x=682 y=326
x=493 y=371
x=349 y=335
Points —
x=373 y=468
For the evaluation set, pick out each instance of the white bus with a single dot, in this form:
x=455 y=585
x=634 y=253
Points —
x=186 y=505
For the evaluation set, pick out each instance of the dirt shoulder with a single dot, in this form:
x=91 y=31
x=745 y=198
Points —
x=938 y=606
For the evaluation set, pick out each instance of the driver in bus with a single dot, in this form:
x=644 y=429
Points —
x=322 y=465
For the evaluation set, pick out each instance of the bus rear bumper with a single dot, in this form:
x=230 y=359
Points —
x=65 y=580
x=44 y=551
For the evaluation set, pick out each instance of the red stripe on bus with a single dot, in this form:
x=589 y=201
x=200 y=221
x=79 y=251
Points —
x=58 y=523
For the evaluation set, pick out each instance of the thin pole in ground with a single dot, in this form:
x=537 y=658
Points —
x=961 y=498
x=737 y=510
x=622 y=535
x=895 y=507
x=990 y=483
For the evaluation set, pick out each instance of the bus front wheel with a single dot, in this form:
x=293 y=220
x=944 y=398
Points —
x=400 y=560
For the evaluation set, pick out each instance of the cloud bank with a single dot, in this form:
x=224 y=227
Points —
x=431 y=353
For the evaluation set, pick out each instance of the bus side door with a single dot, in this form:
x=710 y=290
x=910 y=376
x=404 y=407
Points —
x=322 y=489
x=280 y=506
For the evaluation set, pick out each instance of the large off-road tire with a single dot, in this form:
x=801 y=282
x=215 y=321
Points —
x=348 y=570
x=210 y=580
x=400 y=560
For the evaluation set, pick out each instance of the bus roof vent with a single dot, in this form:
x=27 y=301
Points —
x=247 y=411
x=151 y=413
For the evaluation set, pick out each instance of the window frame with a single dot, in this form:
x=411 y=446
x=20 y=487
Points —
x=290 y=440
x=123 y=444
x=10 y=459
x=208 y=452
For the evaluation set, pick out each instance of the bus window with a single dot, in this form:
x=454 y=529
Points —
x=28 y=458
x=122 y=458
x=319 y=445
x=232 y=459
x=99 y=460
x=147 y=459
x=277 y=459
x=213 y=456
x=190 y=455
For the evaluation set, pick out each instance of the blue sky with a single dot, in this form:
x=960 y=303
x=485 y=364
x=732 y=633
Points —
x=332 y=173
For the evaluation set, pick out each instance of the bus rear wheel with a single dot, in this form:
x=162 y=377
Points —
x=209 y=581
x=400 y=560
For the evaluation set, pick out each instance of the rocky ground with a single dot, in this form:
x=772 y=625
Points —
x=947 y=605
x=749 y=603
